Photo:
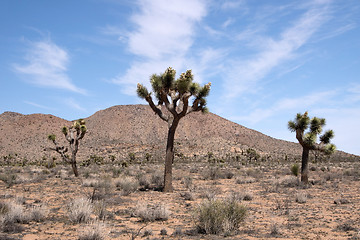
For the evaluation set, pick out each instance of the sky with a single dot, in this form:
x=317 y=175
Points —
x=266 y=59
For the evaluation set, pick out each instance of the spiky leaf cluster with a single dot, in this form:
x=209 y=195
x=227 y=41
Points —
x=314 y=126
x=52 y=137
x=169 y=90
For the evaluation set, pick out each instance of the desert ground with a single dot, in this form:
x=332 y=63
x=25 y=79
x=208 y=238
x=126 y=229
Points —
x=110 y=201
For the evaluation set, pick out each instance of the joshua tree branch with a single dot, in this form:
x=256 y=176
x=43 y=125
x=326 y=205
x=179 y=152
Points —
x=155 y=109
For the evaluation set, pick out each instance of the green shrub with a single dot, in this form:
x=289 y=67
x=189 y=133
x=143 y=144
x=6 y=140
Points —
x=219 y=216
x=295 y=169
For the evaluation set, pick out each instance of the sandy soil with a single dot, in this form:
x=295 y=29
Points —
x=279 y=207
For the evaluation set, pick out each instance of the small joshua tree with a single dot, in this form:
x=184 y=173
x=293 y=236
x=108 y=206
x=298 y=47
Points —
x=73 y=135
x=175 y=95
x=308 y=140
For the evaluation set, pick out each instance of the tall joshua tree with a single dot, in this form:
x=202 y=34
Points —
x=175 y=95
x=73 y=135
x=308 y=140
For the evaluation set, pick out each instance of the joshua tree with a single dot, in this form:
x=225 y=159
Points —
x=308 y=140
x=175 y=96
x=73 y=135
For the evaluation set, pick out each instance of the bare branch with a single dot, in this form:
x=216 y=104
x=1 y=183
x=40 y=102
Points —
x=155 y=109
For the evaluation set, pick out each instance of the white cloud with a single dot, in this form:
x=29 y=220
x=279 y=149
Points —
x=163 y=34
x=47 y=66
x=72 y=103
x=244 y=75
x=140 y=72
x=230 y=5
x=286 y=104
x=164 y=27
x=37 y=105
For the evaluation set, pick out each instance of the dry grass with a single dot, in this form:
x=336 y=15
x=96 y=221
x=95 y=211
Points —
x=278 y=205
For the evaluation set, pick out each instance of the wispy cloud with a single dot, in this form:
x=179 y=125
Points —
x=162 y=36
x=46 y=66
x=38 y=105
x=72 y=103
x=230 y=5
x=245 y=74
x=286 y=104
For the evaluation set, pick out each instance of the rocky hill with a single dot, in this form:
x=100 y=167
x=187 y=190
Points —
x=125 y=129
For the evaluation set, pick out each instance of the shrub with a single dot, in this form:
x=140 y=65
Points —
x=39 y=213
x=187 y=196
x=219 y=216
x=295 y=169
x=301 y=197
x=213 y=173
x=187 y=181
x=127 y=185
x=11 y=214
x=240 y=196
x=157 y=179
x=147 y=213
x=80 y=210
x=144 y=182
x=8 y=179
x=94 y=231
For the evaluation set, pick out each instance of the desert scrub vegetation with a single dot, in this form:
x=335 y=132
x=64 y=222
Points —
x=13 y=212
x=93 y=231
x=127 y=185
x=218 y=216
x=148 y=213
x=295 y=169
x=80 y=210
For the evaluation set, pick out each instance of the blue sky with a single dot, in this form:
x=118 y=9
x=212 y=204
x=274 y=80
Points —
x=267 y=60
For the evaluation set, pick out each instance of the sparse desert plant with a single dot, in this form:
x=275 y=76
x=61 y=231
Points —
x=301 y=197
x=187 y=181
x=244 y=180
x=80 y=210
x=132 y=157
x=100 y=211
x=274 y=229
x=8 y=179
x=175 y=95
x=94 y=231
x=144 y=182
x=308 y=140
x=187 y=196
x=288 y=181
x=73 y=135
x=157 y=179
x=240 y=196
x=147 y=213
x=252 y=154
x=346 y=226
x=210 y=193
x=219 y=216
x=127 y=185
x=39 y=213
x=295 y=169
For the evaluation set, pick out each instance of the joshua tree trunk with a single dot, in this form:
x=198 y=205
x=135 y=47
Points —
x=169 y=159
x=304 y=165
x=74 y=166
